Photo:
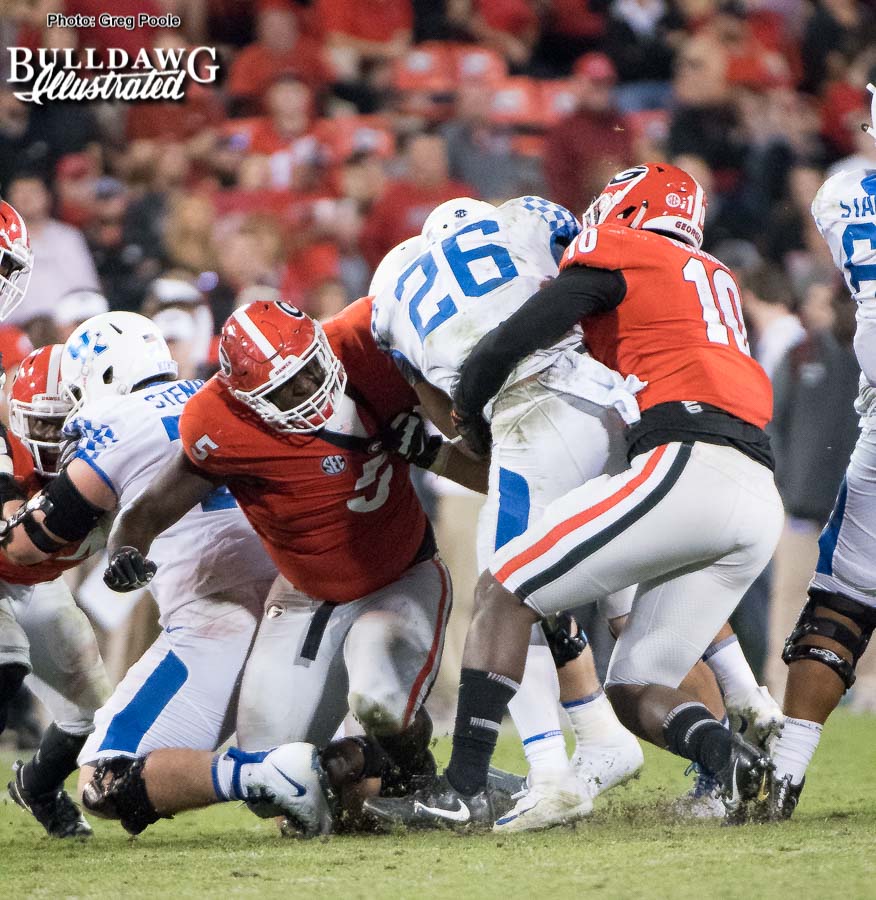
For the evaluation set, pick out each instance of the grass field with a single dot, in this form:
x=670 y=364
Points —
x=630 y=848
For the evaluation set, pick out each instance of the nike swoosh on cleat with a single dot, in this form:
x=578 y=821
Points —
x=299 y=787
x=460 y=814
x=734 y=797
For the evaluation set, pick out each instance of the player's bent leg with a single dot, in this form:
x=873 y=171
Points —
x=294 y=686
x=288 y=781
x=606 y=754
x=643 y=680
x=392 y=653
x=493 y=664
x=535 y=713
x=821 y=653
x=555 y=796
x=546 y=443
x=178 y=694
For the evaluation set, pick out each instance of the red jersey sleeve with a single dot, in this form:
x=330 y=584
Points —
x=370 y=371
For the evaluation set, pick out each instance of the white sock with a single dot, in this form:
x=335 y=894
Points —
x=593 y=720
x=792 y=751
x=536 y=714
x=232 y=771
x=730 y=667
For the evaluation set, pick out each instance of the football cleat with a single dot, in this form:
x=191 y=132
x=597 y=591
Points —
x=290 y=781
x=512 y=784
x=550 y=801
x=440 y=806
x=703 y=800
x=745 y=781
x=755 y=716
x=601 y=768
x=55 y=811
x=783 y=799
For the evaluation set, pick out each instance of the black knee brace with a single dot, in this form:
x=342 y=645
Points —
x=810 y=623
x=565 y=647
x=117 y=791
x=11 y=677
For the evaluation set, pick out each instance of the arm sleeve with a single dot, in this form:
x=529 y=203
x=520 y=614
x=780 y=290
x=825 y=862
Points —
x=576 y=293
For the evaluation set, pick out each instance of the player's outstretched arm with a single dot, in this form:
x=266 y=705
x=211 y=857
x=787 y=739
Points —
x=176 y=488
x=577 y=292
x=63 y=513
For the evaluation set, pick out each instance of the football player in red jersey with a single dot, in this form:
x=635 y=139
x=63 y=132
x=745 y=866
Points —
x=298 y=425
x=41 y=628
x=693 y=521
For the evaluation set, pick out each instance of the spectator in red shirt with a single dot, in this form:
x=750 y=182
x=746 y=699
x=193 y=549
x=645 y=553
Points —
x=279 y=50
x=296 y=158
x=406 y=203
x=585 y=149
x=359 y=32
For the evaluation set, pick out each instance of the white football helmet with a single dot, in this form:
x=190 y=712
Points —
x=395 y=262
x=110 y=355
x=449 y=217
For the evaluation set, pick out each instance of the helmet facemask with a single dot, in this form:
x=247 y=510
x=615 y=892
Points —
x=15 y=270
x=318 y=364
x=39 y=426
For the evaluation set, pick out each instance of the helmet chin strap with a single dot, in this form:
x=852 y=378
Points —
x=871 y=128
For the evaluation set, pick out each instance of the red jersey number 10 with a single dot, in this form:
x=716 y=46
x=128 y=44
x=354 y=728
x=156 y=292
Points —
x=722 y=307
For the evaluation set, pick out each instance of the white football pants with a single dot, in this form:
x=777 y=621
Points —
x=545 y=444
x=181 y=692
x=847 y=546
x=691 y=524
x=41 y=627
x=312 y=661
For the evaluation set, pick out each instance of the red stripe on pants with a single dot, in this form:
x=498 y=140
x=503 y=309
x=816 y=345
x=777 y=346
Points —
x=436 y=643
x=558 y=532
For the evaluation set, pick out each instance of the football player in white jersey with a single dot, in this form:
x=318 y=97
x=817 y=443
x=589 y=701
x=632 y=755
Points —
x=839 y=617
x=557 y=424
x=213 y=575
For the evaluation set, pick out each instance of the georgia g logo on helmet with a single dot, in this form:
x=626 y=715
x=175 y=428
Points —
x=653 y=197
x=277 y=361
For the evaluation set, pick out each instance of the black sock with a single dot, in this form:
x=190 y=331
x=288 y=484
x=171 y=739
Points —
x=53 y=762
x=693 y=732
x=483 y=699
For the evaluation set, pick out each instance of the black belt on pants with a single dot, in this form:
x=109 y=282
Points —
x=320 y=619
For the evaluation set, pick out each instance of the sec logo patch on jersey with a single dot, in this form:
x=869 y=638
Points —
x=333 y=465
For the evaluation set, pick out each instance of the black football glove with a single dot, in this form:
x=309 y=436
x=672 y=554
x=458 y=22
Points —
x=408 y=437
x=128 y=570
x=474 y=430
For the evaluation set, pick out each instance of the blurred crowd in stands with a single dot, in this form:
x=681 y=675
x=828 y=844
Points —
x=337 y=125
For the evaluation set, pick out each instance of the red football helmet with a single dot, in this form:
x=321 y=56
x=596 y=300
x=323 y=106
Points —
x=277 y=361
x=16 y=259
x=654 y=197
x=37 y=408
